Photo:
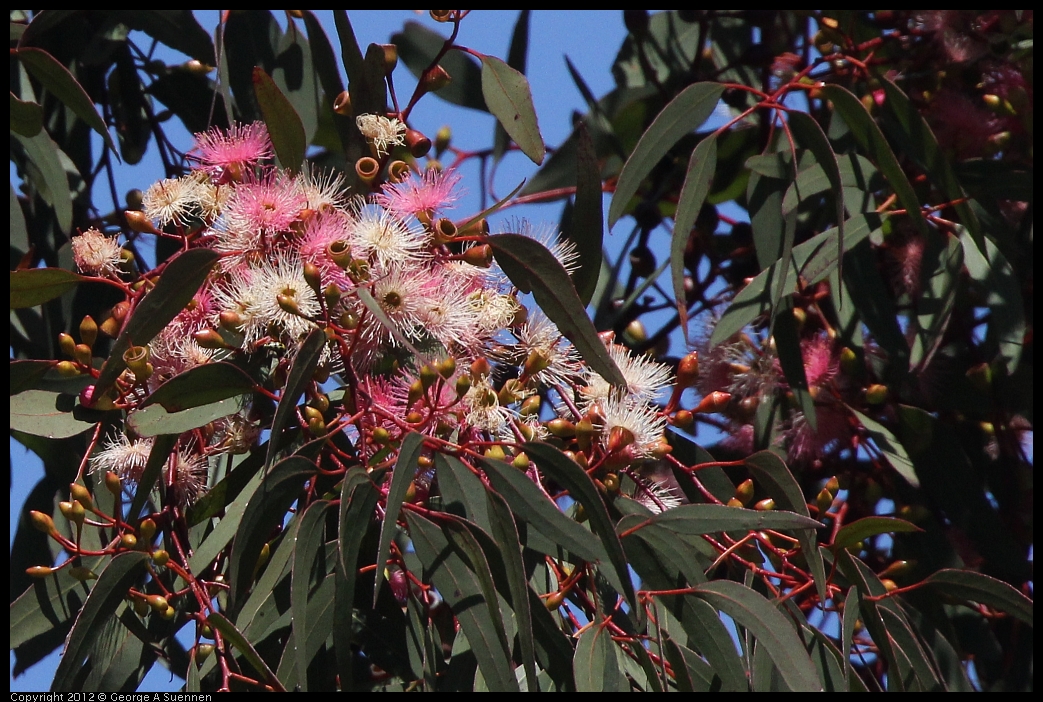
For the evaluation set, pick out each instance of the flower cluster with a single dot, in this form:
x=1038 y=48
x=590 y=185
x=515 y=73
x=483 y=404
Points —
x=425 y=332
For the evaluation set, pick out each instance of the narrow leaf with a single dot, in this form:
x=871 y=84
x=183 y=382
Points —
x=532 y=268
x=993 y=272
x=891 y=447
x=307 y=542
x=569 y=475
x=64 y=86
x=155 y=420
x=358 y=499
x=179 y=282
x=697 y=181
x=857 y=531
x=236 y=639
x=683 y=114
x=266 y=508
x=586 y=226
x=201 y=385
x=108 y=594
x=401 y=477
x=771 y=629
x=506 y=92
x=50 y=178
x=283 y=122
x=516 y=58
x=34 y=286
x=595 y=666
x=984 y=589
x=157 y=460
x=297 y=380
x=710 y=518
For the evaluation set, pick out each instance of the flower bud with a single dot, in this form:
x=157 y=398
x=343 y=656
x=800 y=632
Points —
x=88 y=330
x=765 y=505
x=480 y=368
x=169 y=613
x=435 y=78
x=209 y=339
x=876 y=394
x=82 y=354
x=561 y=428
x=744 y=492
x=521 y=462
x=733 y=502
x=530 y=406
x=611 y=482
x=714 y=402
x=129 y=541
x=463 y=384
x=67 y=344
x=113 y=483
x=823 y=501
x=160 y=557
x=138 y=222
x=443 y=138
x=203 y=651
x=82 y=574
x=688 y=370
x=67 y=369
x=682 y=419
x=158 y=603
x=495 y=452
x=42 y=522
x=553 y=602
x=39 y=571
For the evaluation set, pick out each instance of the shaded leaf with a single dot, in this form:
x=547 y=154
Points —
x=697 y=181
x=176 y=287
x=157 y=460
x=532 y=268
x=178 y=29
x=595 y=666
x=297 y=380
x=401 y=477
x=791 y=358
x=24 y=375
x=506 y=92
x=281 y=118
x=683 y=114
x=26 y=117
x=358 y=499
x=570 y=476
x=516 y=56
x=308 y=540
x=777 y=480
x=857 y=531
x=463 y=592
x=771 y=629
x=236 y=639
x=710 y=637
x=46 y=172
x=34 y=286
x=106 y=596
x=57 y=79
x=45 y=413
x=265 y=509
x=585 y=225
x=711 y=518
x=201 y=385
x=891 y=447
x=155 y=420
x=941 y=270
x=813 y=260
x=984 y=589
x=1003 y=298
x=533 y=506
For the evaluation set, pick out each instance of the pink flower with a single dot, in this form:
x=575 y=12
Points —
x=821 y=361
x=419 y=193
x=259 y=207
x=834 y=433
x=325 y=228
x=228 y=153
x=961 y=125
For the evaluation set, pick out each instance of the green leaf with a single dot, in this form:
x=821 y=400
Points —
x=532 y=268
x=683 y=114
x=201 y=385
x=50 y=604
x=106 y=596
x=777 y=480
x=63 y=85
x=533 y=506
x=155 y=420
x=463 y=492
x=791 y=359
x=983 y=589
x=176 y=287
x=297 y=380
x=891 y=447
x=307 y=542
x=45 y=413
x=814 y=260
x=585 y=227
x=26 y=117
x=24 y=375
x=401 y=477
x=872 y=141
x=358 y=499
x=267 y=507
x=570 y=476
x=47 y=174
x=157 y=461
x=709 y=636
x=935 y=306
x=506 y=92
x=178 y=29
x=34 y=286
x=595 y=666
x=283 y=122
x=771 y=629
x=464 y=594
x=236 y=639
x=691 y=673
x=516 y=56
x=857 y=531
x=697 y=181
x=711 y=518
x=1002 y=292
x=418 y=46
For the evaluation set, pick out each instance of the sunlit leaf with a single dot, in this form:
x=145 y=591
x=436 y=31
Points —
x=516 y=59
x=155 y=419
x=697 y=181
x=45 y=413
x=201 y=385
x=986 y=590
x=1003 y=298
x=297 y=380
x=891 y=447
x=307 y=543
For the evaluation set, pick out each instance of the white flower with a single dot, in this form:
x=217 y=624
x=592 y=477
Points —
x=254 y=294
x=546 y=356
x=484 y=410
x=381 y=131
x=96 y=254
x=322 y=190
x=379 y=235
x=563 y=249
x=188 y=475
x=641 y=421
x=645 y=377
x=174 y=200
x=123 y=457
